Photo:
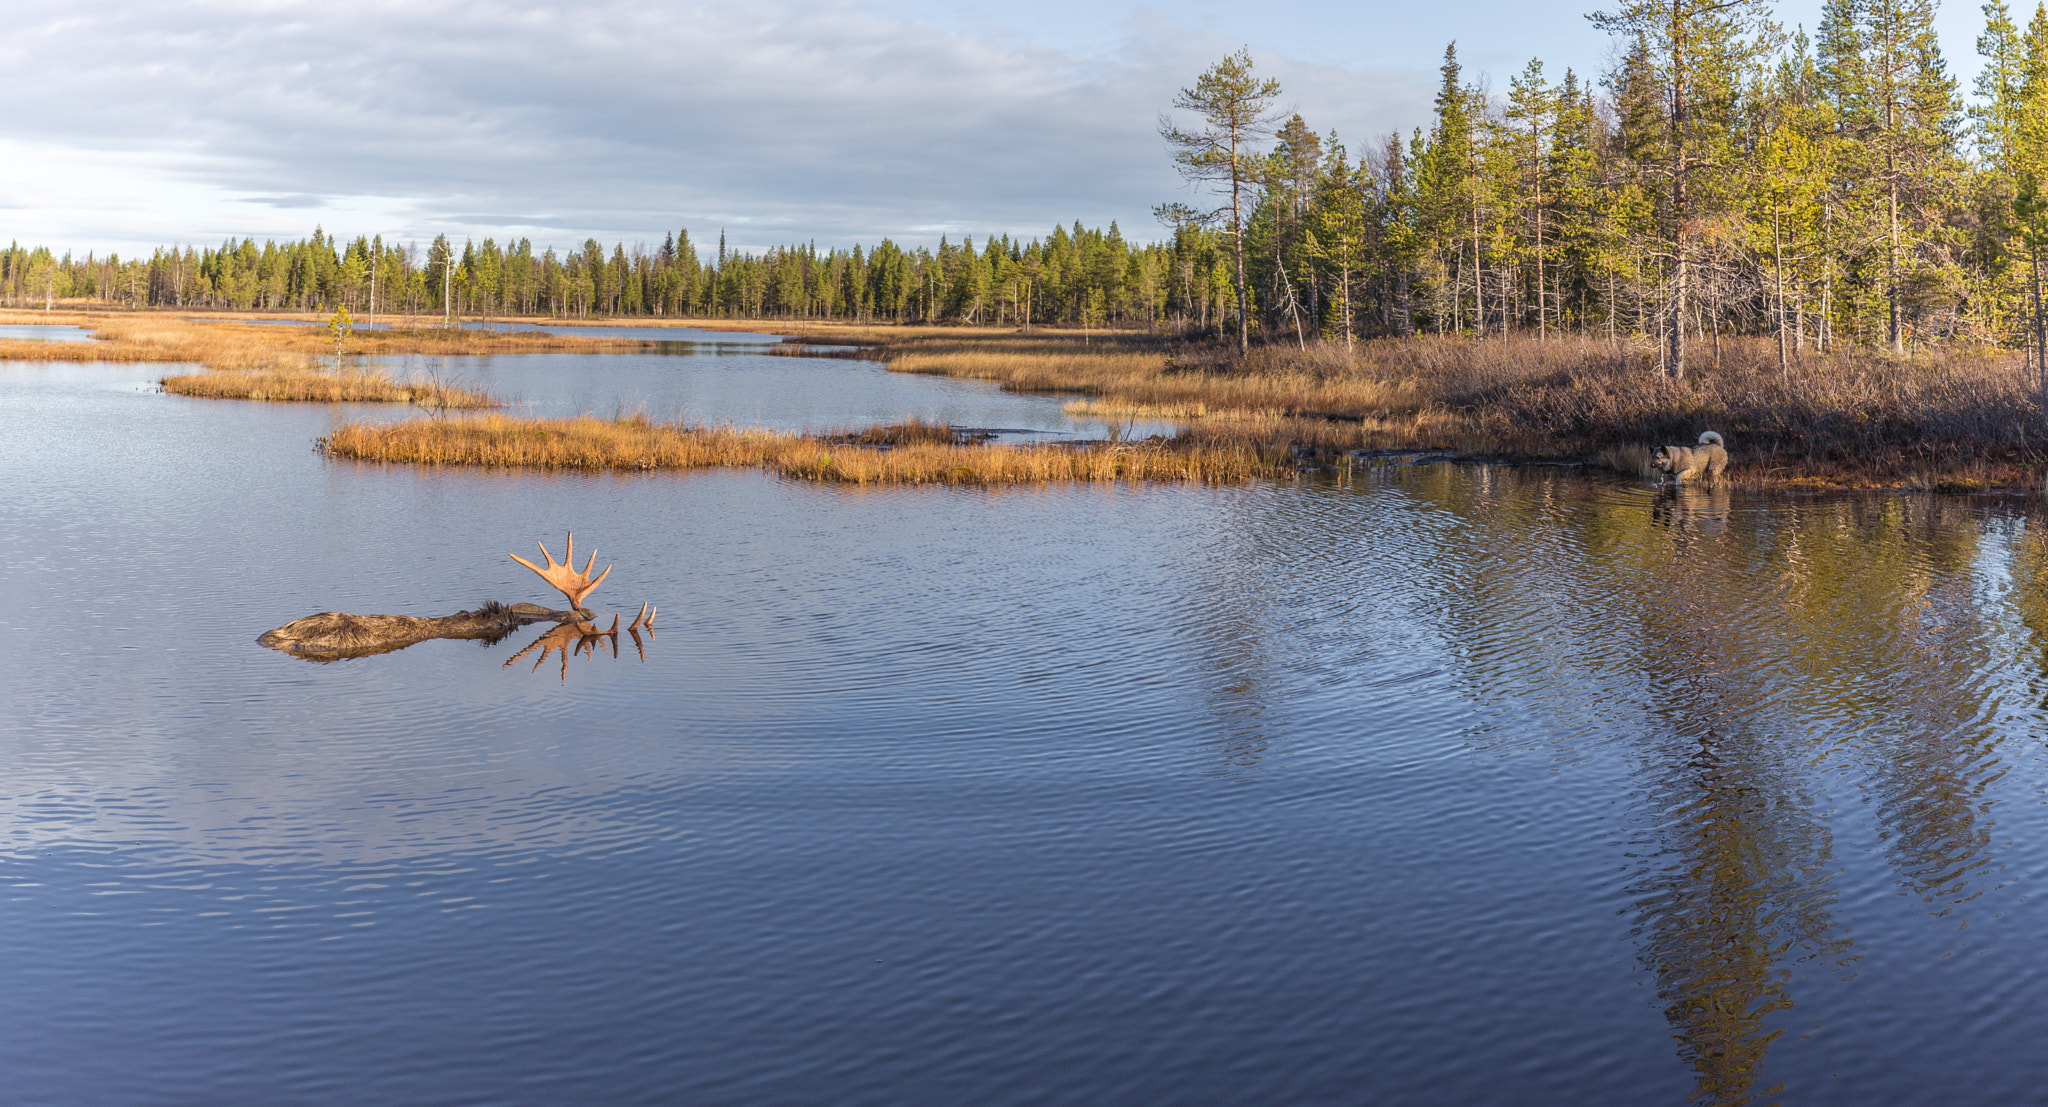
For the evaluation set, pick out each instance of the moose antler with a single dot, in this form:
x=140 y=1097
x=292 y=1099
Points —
x=564 y=577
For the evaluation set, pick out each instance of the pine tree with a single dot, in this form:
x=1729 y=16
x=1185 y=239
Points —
x=1697 y=50
x=1232 y=101
x=1530 y=114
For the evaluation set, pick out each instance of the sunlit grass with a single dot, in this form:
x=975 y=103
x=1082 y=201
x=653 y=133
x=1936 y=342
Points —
x=1852 y=417
x=247 y=361
x=641 y=445
x=316 y=386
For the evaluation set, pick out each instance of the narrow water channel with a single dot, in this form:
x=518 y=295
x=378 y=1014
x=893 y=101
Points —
x=1439 y=784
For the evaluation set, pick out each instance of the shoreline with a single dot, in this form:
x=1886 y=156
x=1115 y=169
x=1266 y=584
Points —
x=1953 y=421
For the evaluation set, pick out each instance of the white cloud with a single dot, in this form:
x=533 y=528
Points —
x=136 y=124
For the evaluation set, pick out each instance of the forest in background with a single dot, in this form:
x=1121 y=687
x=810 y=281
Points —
x=1830 y=190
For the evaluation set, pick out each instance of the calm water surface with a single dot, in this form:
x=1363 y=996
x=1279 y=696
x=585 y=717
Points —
x=1440 y=784
x=736 y=383
x=45 y=332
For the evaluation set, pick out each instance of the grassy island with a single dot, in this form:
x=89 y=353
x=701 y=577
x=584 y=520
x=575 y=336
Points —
x=242 y=360
x=1958 y=420
x=909 y=453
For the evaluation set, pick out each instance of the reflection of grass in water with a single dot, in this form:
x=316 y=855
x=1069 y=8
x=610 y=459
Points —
x=909 y=453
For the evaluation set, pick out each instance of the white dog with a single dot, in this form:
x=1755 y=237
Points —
x=1690 y=461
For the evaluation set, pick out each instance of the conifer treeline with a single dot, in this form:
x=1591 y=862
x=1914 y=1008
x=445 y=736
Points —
x=1725 y=177
x=1075 y=275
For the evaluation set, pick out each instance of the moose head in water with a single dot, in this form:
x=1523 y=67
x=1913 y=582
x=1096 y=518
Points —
x=333 y=635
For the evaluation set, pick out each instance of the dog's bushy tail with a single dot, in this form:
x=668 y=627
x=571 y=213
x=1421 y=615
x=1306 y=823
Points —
x=1711 y=438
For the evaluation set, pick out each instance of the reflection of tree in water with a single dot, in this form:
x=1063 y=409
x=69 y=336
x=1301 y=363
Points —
x=1933 y=770
x=1290 y=595
x=1740 y=892
x=1902 y=668
x=1233 y=618
x=1740 y=888
x=1749 y=658
x=1752 y=656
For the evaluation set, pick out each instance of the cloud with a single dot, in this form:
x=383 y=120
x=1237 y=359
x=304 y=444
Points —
x=287 y=201
x=777 y=121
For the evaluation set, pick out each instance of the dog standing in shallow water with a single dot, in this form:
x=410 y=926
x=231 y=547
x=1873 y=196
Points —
x=1691 y=461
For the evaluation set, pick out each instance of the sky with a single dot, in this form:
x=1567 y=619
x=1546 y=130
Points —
x=137 y=123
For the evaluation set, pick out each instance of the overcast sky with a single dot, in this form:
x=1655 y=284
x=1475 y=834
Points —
x=130 y=124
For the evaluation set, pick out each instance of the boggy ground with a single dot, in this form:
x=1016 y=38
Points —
x=1954 y=419
x=245 y=361
x=1951 y=420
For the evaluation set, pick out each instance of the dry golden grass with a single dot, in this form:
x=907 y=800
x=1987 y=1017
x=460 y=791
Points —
x=311 y=385
x=245 y=361
x=913 y=431
x=637 y=444
x=1855 y=418
x=1956 y=418
x=231 y=345
x=1128 y=375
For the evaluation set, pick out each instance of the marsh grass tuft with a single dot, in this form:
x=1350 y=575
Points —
x=316 y=386
x=247 y=361
x=1849 y=418
x=913 y=431
x=913 y=457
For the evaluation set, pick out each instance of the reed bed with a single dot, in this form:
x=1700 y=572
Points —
x=1942 y=419
x=1139 y=377
x=315 y=386
x=237 y=346
x=637 y=444
x=913 y=431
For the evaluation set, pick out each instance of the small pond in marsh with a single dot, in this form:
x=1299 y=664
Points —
x=723 y=381
x=1439 y=784
x=45 y=332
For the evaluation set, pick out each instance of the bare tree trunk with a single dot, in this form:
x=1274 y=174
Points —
x=1681 y=232
x=1244 y=332
x=1894 y=334
x=1478 y=275
x=1778 y=263
x=2040 y=332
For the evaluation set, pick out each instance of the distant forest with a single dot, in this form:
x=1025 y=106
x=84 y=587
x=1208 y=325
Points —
x=1071 y=275
x=1724 y=177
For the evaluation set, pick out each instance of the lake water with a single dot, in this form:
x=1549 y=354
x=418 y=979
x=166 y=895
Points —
x=1438 y=784
x=735 y=382
x=696 y=335
x=45 y=332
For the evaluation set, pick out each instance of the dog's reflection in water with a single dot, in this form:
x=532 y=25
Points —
x=1700 y=508
x=578 y=636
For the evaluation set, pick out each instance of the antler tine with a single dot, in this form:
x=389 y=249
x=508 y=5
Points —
x=563 y=576
x=521 y=653
x=640 y=618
